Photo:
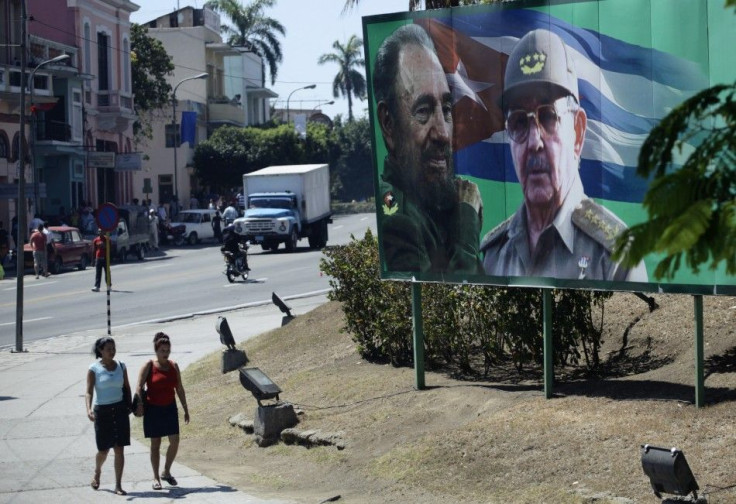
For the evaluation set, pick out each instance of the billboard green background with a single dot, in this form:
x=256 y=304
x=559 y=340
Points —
x=702 y=32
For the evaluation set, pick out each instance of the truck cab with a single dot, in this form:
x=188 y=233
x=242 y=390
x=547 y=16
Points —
x=271 y=218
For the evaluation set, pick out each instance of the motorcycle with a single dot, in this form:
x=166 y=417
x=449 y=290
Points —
x=236 y=264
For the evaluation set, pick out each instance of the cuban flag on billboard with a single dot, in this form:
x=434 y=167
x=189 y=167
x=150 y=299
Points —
x=625 y=90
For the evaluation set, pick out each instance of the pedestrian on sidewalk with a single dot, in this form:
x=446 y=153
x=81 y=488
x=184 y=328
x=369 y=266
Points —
x=100 y=244
x=161 y=417
x=38 y=246
x=108 y=407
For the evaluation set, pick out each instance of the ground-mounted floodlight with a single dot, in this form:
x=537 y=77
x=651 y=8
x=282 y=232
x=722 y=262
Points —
x=668 y=471
x=257 y=383
x=232 y=358
x=288 y=317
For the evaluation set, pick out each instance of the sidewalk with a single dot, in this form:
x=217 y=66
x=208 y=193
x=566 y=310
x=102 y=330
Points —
x=47 y=443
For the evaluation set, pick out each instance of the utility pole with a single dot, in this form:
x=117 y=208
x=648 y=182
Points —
x=21 y=203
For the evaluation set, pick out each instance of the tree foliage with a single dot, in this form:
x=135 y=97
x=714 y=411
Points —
x=150 y=64
x=349 y=81
x=221 y=160
x=253 y=29
x=692 y=202
x=352 y=160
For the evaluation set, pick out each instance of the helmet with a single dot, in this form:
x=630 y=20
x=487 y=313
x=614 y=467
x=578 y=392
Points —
x=539 y=58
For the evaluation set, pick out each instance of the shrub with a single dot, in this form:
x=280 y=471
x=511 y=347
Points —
x=461 y=322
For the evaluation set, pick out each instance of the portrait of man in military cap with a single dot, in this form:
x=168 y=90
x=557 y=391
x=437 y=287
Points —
x=557 y=231
x=429 y=220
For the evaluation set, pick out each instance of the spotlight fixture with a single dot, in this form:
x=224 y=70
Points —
x=257 y=383
x=232 y=358
x=280 y=303
x=668 y=471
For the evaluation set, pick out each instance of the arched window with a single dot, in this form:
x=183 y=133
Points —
x=4 y=145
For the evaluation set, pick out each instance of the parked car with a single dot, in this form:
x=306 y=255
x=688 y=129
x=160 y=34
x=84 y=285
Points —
x=66 y=249
x=197 y=226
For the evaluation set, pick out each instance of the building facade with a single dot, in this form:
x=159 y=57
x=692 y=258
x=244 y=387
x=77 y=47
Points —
x=79 y=110
x=231 y=94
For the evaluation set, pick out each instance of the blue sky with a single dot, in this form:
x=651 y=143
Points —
x=311 y=28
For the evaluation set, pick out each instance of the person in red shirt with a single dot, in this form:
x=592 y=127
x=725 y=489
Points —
x=161 y=417
x=100 y=245
x=38 y=246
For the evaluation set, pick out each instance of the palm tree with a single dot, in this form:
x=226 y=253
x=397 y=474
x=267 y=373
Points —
x=348 y=81
x=253 y=29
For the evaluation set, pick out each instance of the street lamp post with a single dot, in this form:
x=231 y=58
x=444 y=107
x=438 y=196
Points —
x=331 y=102
x=34 y=125
x=202 y=75
x=311 y=86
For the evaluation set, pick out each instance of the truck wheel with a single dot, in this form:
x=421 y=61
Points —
x=323 y=234
x=83 y=262
x=57 y=266
x=192 y=238
x=293 y=239
x=141 y=252
x=314 y=239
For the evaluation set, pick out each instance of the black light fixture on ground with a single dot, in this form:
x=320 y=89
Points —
x=288 y=117
x=668 y=471
x=232 y=358
x=34 y=125
x=202 y=75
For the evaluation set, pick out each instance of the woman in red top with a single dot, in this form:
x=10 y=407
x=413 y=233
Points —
x=161 y=418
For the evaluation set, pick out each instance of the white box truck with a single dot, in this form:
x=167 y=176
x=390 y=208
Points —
x=286 y=203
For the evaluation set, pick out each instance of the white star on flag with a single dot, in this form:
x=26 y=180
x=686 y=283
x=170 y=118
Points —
x=461 y=85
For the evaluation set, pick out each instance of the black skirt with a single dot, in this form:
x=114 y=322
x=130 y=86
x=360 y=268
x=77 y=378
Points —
x=112 y=425
x=160 y=421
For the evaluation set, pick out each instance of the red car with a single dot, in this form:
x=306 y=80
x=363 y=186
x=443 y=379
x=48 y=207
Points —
x=66 y=248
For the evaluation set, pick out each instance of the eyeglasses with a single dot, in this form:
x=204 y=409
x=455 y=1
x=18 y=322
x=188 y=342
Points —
x=546 y=117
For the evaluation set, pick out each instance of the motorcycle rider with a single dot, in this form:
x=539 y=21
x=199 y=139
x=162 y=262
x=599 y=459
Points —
x=230 y=243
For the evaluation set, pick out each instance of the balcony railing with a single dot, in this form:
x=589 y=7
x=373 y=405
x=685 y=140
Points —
x=116 y=99
x=53 y=130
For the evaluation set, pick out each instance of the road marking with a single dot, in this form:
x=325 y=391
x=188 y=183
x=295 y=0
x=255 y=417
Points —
x=364 y=218
x=27 y=285
x=26 y=320
x=337 y=227
x=158 y=266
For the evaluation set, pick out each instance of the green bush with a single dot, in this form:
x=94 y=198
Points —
x=464 y=325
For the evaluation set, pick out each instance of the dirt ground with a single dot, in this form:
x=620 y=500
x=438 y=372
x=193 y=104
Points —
x=492 y=441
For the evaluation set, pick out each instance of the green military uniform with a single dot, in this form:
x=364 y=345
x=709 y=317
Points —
x=414 y=240
x=577 y=245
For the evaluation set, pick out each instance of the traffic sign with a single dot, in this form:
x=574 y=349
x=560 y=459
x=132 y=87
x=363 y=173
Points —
x=107 y=217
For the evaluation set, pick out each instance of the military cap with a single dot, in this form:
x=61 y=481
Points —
x=540 y=57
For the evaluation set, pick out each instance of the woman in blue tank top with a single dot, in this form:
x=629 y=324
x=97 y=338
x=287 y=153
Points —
x=107 y=406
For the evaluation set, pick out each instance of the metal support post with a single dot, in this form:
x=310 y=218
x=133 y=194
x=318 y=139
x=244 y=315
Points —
x=699 y=353
x=416 y=312
x=549 y=367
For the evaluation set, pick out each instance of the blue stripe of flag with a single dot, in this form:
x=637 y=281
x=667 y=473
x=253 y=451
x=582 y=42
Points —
x=609 y=181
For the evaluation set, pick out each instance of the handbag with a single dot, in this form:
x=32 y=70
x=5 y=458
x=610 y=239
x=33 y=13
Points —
x=141 y=399
x=126 y=392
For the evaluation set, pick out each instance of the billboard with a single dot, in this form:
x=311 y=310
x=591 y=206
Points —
x=506 y=136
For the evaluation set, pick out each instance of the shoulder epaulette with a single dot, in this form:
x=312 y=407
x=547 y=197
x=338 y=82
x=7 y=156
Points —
x=598 y=222
x=495 y=234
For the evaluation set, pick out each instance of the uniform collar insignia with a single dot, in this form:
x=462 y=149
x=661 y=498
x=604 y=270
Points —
x=390 y=205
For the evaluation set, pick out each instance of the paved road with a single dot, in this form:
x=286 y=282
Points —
x=170 y=284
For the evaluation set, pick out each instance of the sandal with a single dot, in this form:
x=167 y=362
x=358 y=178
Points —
x=156 y=485
x=95 y=484
x=120 y=491
x=169 y=479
